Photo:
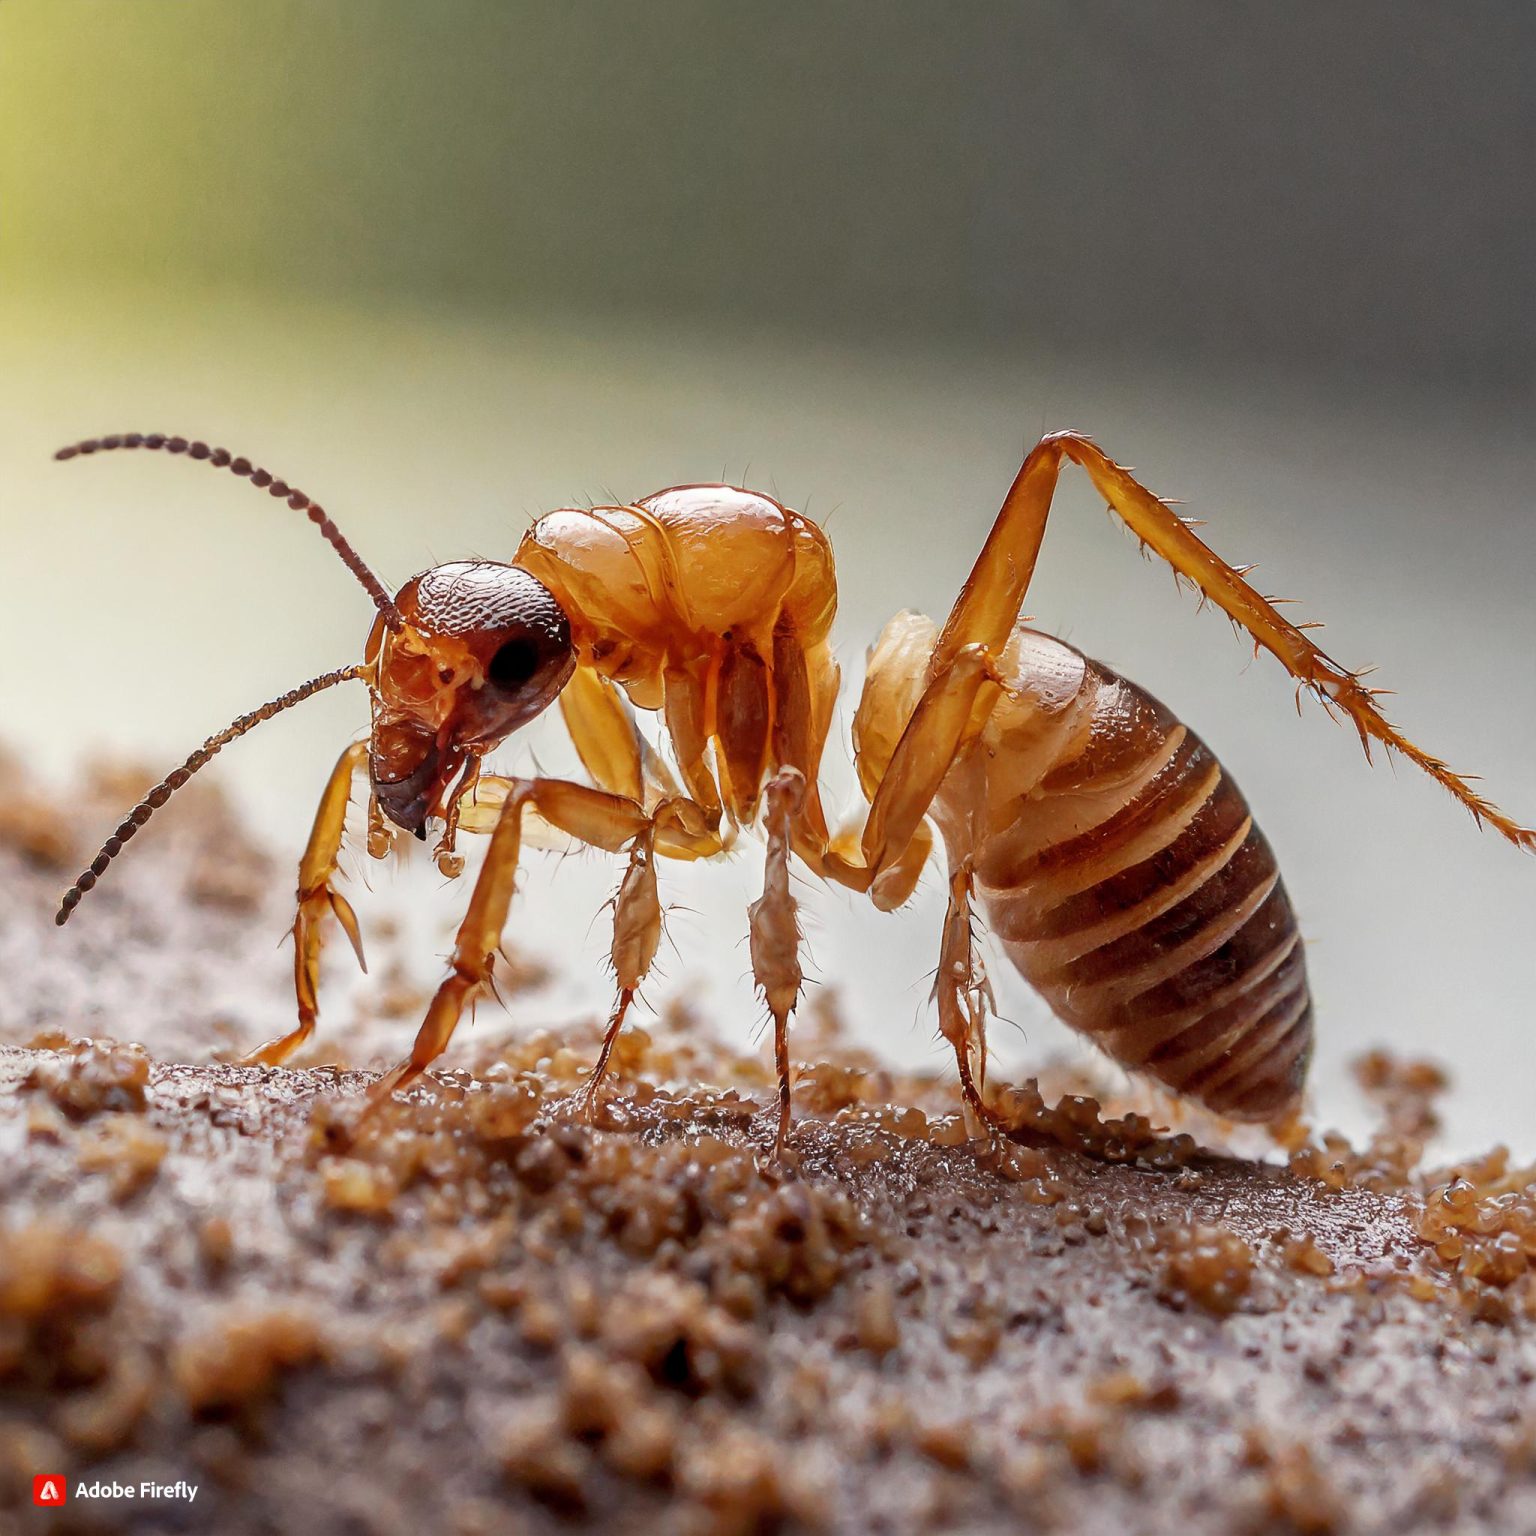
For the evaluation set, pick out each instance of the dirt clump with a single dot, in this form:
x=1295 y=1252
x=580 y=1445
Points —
x=476 y=1311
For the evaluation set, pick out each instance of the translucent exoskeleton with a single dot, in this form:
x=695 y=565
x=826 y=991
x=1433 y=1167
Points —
x=1118 y=865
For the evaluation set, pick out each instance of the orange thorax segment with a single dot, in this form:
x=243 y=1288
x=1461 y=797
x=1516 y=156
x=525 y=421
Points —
x=681 y=578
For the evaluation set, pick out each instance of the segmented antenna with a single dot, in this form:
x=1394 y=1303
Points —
x=220 y=458
x=173 y=781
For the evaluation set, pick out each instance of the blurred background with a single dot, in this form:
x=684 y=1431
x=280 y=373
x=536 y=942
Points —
x=449 y=266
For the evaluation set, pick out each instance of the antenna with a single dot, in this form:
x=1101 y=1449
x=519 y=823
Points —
x=220 y=458
x=168 y=786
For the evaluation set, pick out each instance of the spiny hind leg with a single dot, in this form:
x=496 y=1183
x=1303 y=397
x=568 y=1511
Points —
x=965 y=997
x=317 y=898
x=894 y=843
x=990 y=603
x=775 y=930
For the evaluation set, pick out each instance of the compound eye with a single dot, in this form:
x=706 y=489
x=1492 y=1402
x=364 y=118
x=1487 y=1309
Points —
x=526 y=664
x=527 y=658
x=513 y=627
x=515 y=663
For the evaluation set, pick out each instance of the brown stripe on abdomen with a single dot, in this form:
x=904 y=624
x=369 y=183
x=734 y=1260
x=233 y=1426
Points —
x=1164 y=931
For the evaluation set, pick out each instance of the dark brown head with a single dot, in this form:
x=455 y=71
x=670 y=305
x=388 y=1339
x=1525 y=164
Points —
x=463 y=655
x=483 y=649
x=279 y=489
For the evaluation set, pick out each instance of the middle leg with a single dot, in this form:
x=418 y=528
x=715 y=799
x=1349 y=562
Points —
x=636 y=938
x=775 y=930
x=592 y=816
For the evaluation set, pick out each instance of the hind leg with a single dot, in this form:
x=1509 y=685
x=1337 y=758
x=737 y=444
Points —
x=964 y=997
x=989 y=605
x=951 y=701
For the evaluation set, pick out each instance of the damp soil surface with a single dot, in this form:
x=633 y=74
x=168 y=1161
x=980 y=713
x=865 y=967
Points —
x=475 y=1314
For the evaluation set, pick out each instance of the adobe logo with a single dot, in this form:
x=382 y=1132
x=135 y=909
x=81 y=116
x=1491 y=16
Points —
x=48 y=1490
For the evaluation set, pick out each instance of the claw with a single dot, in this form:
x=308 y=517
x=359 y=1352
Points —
x=348 y=920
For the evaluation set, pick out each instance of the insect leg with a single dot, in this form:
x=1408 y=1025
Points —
x=907 y=740
x=317 y=897
x=636 y=938
x=602 y=724
x=805 y=686
x=474 y=949
x=688 y=724
x=675 y=826
x=603 y=729
x=743 y=708
x=952 y=705
x=598 y=817
x=775 y=929
x=592 y=816
x=990 y=602
x=964 y=995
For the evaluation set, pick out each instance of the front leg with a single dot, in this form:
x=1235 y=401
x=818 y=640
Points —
x=474 y=950
x=592 y=816
x=317 y=898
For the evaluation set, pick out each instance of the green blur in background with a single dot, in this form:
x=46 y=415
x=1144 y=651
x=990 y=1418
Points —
x=1320 y=185
x=449 y=265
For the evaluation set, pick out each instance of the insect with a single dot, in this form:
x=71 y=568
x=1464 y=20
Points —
x=1118 y=865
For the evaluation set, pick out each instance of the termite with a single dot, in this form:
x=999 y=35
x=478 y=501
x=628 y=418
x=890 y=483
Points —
x=1117 y=863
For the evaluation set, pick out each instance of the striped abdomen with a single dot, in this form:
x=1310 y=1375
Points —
x=1123 y=873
